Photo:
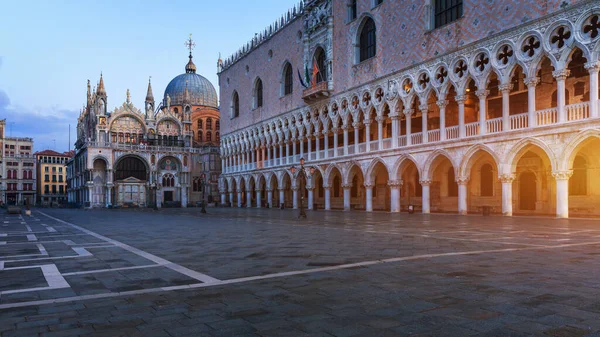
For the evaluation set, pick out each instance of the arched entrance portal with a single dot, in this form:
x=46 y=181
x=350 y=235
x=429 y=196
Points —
x=130 y=178
x=527 y=191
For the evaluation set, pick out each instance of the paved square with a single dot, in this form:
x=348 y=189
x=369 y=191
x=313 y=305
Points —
x=249 y=272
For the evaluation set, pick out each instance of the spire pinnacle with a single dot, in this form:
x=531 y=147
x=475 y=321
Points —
x=186 y=94
x=149 y=95
x=89 y=92
x=101 y=90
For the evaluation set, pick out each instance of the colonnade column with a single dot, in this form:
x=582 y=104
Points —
x=295 y=197
x=248 y=198
x=367 y=135
x=345 y=128
x=356 y=126
x=335 y=141
x=507 y=206
x=270 y=197
x=231 y=198
x=593 y=69
x=294 y=145
x=281 y=197
x=408 y=113
x=505 y=89
x=424 y=109
x=562 y=192
x=317 y=145
x=395 y=130
x=326 y=141
x=281 y=153
x=395 y=186
x=462 y=194
x=109 y=196
x=369 y=197
x=327 y=197
x=426 y=199
x=301 y=144
x=239 y=197
x=460 y=99
x=347 y=188
x=560 y=77
x=380 y=120
x=287 y=152
x=258 y=197
x=531 y=83
x=223 y=198
x=482 y=94
x=310 y=197
x=308 y=138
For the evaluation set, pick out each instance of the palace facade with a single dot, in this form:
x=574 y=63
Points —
x=165 y=155
x=449 y=106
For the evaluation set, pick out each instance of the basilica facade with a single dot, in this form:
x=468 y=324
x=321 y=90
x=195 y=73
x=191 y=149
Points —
x=165 y=155
x=442 y=106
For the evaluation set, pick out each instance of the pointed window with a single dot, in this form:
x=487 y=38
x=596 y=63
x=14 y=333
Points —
x=199 y=124
x=235 y=105
x=367 y=40
x=352 y=12
x=209 y=123
x=288 y=80
x=258 y=94
x=447 y=11
x=321 y=65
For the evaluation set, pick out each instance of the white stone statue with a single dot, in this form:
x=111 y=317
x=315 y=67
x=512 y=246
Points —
x=168 y=102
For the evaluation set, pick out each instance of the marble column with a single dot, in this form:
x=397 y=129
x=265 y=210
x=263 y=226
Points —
x=231 y=198
x=424 y=109
x=281 y=197
x=287 y=152
x=460 y=99
x=295 y=197
x=223 y=198
x=367 y=135
x=248 y=198
x=507 y=182
x=317 y=145
x=281 y=153
x=239 y=198
x=408 y=113
x=561 y=77
x=184 y=196
x=369 y=197
x=356 y=125
x=593 y=69
x=309 y=152
x=395 y=130
x=462 y=194
x=310 y=197
x=482 y=94
x=327 y=197
x=347 y=188
x=258 y=201
x=562 y=192
x=380 y=120
x=426 y=199
x=109 y=196
x=345 y=128
x=301 y=144
x=335 y=141
x=395 y=186
x=505 y=89
x=270 y=197
x=326 y=141
x=531 y=83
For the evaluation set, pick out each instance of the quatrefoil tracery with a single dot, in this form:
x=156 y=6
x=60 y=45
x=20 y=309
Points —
x=505 y=54
x=592 y=28
x=423 y=80
x=561 y=36
x=460 y=69
x=530 y=46
x=441 y=75
x=481 y=61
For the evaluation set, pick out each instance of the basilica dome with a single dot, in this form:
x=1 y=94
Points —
x=201 y=91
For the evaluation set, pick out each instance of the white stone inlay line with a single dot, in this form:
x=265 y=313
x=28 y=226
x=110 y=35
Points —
x=52 y=275
x=51 y=229
x=109 y=270
x=42 y=249
x=28 y=228
x=158 y=260
x=31 y=237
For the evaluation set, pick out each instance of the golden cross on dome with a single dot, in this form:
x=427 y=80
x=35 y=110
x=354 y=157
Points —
x=190 y=44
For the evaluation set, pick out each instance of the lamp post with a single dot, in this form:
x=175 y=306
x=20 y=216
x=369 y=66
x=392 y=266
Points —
x=203 y=183
x=302 y=172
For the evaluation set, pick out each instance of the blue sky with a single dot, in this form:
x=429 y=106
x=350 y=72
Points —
x=48 y=50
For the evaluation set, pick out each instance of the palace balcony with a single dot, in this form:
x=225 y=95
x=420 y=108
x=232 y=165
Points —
x=317 y=92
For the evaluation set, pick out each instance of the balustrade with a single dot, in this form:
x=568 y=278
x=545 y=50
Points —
x=518 y=121
x=578 y=111
x=494 y=125
x=402 y=141
x=472 y=129
x=433 y=136
x=547 y=116
x=452 y=132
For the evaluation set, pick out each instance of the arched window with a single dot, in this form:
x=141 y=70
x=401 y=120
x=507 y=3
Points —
x=218 y=124
x=199 y=136
x=208 y=136
x=235 y=105
x=578 y=181
x=209 y=123
x=199 y=124
x=452 y=185
x=168 y=180
x=258 y=94
x=352 y=10
x=321 y=65
x=217 y=136
x=288 y=79
x=487 y=181
x=367 y=40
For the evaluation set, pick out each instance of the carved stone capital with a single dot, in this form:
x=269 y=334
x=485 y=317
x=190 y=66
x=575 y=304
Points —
x=462 y=180
x=408 y=112
x=562 y=175
x=592 y=67
x=442 y=103
x=506 y=87
x=482 y=93
x=369 y=185
x=532 y=82
x=295 y=188
x=346 y=186
x=239 y=190
x=424 y=108
x=395 y=183
x=356 y=125
x=367 y=121
x=561 y=75
x=460 y=99
x=380 y=119
x=326 y=187
x=269 y=189
x=426 y=182
x=506 y=178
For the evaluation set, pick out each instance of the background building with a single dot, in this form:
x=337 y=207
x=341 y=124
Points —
x=450 y=106
x=164 y=155
x=18 y=169
x=51 y=177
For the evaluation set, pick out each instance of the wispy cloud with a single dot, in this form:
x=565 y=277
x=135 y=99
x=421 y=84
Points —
x=47 y=126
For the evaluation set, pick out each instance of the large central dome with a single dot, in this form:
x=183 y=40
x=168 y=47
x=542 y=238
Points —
x=200 y=89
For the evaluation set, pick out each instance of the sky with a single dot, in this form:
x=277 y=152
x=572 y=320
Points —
x=49 y=49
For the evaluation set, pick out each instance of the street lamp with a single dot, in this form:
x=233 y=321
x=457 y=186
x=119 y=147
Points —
x=203 y=183
x=302 y=172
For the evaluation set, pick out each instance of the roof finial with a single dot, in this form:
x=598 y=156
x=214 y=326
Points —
x=190 y=67
x=101 y=90
x=149 y=95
